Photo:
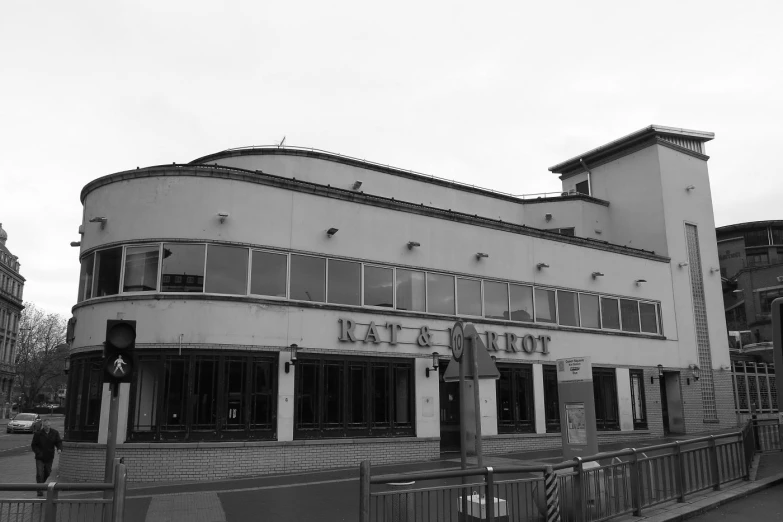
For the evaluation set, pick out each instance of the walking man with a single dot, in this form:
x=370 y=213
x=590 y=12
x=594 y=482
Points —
x=45 y=441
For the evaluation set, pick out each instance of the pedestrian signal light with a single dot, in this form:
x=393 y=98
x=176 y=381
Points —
x=118 y=350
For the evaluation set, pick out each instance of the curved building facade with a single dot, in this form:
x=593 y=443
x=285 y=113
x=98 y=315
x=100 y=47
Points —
x=289 y=303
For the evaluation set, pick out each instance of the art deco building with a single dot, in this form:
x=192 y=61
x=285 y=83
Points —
x=288 y=302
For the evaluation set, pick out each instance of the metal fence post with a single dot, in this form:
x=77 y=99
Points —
x=636 y=490
x=50 y=508
x=108 y=511
x=580 y=509
x=552 y=495
x=679 y=473
x=714 y=463
x=118 y=505
x=364 y=491
x=490 y=498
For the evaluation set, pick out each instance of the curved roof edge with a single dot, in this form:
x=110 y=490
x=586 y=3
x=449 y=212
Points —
x=628 y=142
x=748 y=225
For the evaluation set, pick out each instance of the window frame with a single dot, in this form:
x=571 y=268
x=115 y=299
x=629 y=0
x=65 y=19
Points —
x=602 y=421
x=204 y=267
x=456 y=296
x=158 y=276
x=639 y=421
x=517 y=425
x=291 y=278
x=394 y=287
x=600 y=316
x=287 y=273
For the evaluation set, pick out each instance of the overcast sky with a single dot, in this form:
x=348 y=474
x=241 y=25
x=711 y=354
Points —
x=488 y=93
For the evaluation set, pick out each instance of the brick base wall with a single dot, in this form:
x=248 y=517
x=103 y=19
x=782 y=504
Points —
x=84 y=462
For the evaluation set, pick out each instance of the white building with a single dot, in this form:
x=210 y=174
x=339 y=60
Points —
x=228 y=262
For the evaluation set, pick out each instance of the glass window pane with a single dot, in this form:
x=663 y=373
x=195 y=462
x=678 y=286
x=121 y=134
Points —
x=546 y=309
x=307 y=410
x=495 y=300
x=333 y=397
x=410 y=290
x=268 y=275
x=205 y=393
x=174 y=394
x=521 y=303
x=226 y=270
x=380 y=394
x=141 y=269
x=440 y=294
x=610 y=315
x=551 y=400
x=85 y=278
x=345 y=282
x=568 y=305
x=647 y=312
x=591 y=317
x=262 y=408
x=358 y=400
x=630 y=315
x=402 y=396
x=107 y=272
x=183 y=268
x=637 y=397
x=308 y=278
x=378 y=286
x=469 y=296
x=505 y=407
x=144 y=417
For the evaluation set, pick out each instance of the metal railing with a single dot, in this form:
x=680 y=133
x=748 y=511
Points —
x=597 y=488
x=767 y=434
x=106 y=504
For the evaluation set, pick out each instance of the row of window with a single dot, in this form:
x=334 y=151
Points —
x=221 y=269
x=10 y=285
x=225 y=396
x=9 y=260
x=767 y=236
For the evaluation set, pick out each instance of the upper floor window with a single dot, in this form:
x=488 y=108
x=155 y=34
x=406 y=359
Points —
x=440 y=294
x=777 y=235
x=308 y=278
x=757 y=259
x=345 y=282
x=756 y=238
x=269 y=274
x=411 y=292
x=378 y=286
x=546 y=307
x=469 y=296
x=766 y=297
x=583 y=187
x=183 y=268
x=108 y=264
x=141 y=269
x=226 y=270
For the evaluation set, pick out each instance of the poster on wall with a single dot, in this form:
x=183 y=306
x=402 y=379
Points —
x=577 y=427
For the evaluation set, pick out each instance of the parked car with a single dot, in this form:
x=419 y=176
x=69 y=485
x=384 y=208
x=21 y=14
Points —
x=24 y=423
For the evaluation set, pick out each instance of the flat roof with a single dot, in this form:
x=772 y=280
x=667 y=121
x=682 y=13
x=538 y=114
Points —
x=748 y=225
x=628 y=142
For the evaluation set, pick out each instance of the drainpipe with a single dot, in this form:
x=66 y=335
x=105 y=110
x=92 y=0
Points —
x=589 y=176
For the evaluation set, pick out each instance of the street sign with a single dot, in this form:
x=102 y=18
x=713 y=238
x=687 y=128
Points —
x=457 y=341
x=486 y=366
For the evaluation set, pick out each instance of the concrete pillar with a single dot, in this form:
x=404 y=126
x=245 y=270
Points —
x=285 y=398
x=538 y=398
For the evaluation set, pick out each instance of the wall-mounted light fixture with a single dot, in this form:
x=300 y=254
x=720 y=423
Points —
x=695 y=372
x=713 y=270
x=332 y=231
x=690 y=187
x=660 y=374
x=76 y=243
x=412 y=244
x=640 y=281
x=434 y=364
x=292 y=362
x=479 y=255
x=101 y=220
x=548 y=217
x=597 y=274
x=357 y=184
x=737 y=291
x=222 y=216
x=683 y=264
x=67 y=365
x=542 y=265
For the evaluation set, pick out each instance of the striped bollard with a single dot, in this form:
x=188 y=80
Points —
x=552 y=495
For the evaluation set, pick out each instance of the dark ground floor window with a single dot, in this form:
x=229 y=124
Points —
x=203 y=396
x=516 y=409
x=353 y=397
x=551 y=399
x=605 y=393
x=83 y=401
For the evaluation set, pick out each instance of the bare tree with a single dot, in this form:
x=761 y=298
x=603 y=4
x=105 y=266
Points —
x=40 y=356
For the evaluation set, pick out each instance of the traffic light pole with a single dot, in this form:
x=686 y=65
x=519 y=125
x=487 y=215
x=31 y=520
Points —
x=111 y=441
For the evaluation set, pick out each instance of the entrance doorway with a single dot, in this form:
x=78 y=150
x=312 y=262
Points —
x=671 y=404
x=449 y=411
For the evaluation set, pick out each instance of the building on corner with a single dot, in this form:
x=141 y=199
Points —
x=289 y=302
x=11 y=287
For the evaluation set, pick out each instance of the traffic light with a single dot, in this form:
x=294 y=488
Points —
x=118 y=350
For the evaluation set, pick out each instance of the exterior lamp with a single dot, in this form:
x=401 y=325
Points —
x=713 y=270
x=683 y=264
x=597 y=274
x=101 y=220
x=412 y=244
x=357 y=184
x=640 y=281
x=67 y=365
x=332 y=231
x=695 y=372
x=548 y=217
x=660 y=374
x=292 y=362
x=222 y=216
x=690 y=187
x=76 y=243
x=479 y=255
x=542 y=265
x=434 y=364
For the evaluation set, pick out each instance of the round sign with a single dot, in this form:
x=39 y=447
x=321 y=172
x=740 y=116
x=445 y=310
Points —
x=457 y=341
